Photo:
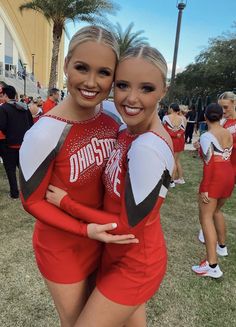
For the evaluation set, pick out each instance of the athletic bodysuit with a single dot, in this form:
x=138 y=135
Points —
x=230 y=125
x=176 y=133
x=218 y=174
x=136 y=179
x=72 y=156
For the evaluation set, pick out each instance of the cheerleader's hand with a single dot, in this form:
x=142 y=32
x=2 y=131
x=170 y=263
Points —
x=54 y=195
x=101 y=233
x=204 y=196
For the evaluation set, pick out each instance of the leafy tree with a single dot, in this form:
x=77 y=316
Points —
x=58 y=12
x=126 y=38
x=213 y=72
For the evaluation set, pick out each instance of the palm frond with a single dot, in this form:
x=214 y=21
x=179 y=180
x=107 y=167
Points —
x=127 y=38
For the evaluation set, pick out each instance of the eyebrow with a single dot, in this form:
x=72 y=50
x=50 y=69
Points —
x=86 y=64
x=147 y=83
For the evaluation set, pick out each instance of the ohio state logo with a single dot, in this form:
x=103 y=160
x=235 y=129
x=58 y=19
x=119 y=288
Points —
x=113 y=170
x=93 y=153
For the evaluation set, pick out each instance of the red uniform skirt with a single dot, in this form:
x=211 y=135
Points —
x=131 y=274
x=222 y=181
x=63 y=257
x=178 y=143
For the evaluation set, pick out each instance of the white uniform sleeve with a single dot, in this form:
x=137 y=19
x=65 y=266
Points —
x=150 y=166
x=40 y=145
x=206 y=142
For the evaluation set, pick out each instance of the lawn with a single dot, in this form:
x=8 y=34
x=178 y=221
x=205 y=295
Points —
x=184 y=300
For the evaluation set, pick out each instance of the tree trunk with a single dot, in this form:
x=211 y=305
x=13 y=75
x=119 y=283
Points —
x=57 y=33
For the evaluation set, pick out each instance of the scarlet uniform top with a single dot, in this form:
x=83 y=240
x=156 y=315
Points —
x=218 y=174
x=149 y=162
x=230 y=125
x=72 y=156
x=136 y=180
x=176 y=133
x=48 y=105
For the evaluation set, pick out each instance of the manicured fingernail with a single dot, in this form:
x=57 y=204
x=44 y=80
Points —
x=114 y=225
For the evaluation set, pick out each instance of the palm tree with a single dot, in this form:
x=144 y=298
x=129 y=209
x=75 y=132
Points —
x=58 y=12
x=127 y=38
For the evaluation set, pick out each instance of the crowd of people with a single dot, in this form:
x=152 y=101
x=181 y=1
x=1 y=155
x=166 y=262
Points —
x=217 y=147
x=95 y=186
x=17 y=115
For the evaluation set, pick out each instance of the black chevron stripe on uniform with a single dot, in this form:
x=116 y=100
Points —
x=28 y=187
x=137 y=212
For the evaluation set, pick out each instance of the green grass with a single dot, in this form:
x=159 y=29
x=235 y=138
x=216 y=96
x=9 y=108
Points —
x=184 y=300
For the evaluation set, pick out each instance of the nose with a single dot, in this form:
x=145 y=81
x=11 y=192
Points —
x=91 y=80
x=132 y=97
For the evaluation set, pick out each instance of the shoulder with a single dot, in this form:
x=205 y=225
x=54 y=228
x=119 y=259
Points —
x=48 y=129
x=42 y=141
x=44 y=136
x=149 y=138
x=166 y=119
x=156 y=146
x=150 y=165
x=207 y=140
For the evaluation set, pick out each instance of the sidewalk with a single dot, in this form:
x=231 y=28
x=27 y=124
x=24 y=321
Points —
x=190 y=146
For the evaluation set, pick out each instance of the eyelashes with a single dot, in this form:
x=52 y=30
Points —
x=105 y=72
x=81 y=68
x=148 y=88
x=144 y=88
x=85 y=69
x=121 y=85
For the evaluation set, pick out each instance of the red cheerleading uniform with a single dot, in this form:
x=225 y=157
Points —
x=176 y=133
x=72 y=156
x=218 y=174
x=136 y=180
x=230 y=125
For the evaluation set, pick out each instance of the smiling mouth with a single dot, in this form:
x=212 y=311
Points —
x=88 y=94
x=132 y=111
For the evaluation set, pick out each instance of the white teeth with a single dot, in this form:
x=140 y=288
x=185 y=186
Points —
x=133 y=111
x=88 y=94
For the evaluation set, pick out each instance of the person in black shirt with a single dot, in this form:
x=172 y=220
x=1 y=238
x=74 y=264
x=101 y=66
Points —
x=15 y=120
x=191 y=120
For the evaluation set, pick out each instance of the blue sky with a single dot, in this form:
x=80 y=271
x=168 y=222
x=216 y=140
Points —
x=201 y=20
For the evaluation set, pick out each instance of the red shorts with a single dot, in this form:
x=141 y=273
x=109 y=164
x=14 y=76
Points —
x=63 y=257
x=131 y=274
